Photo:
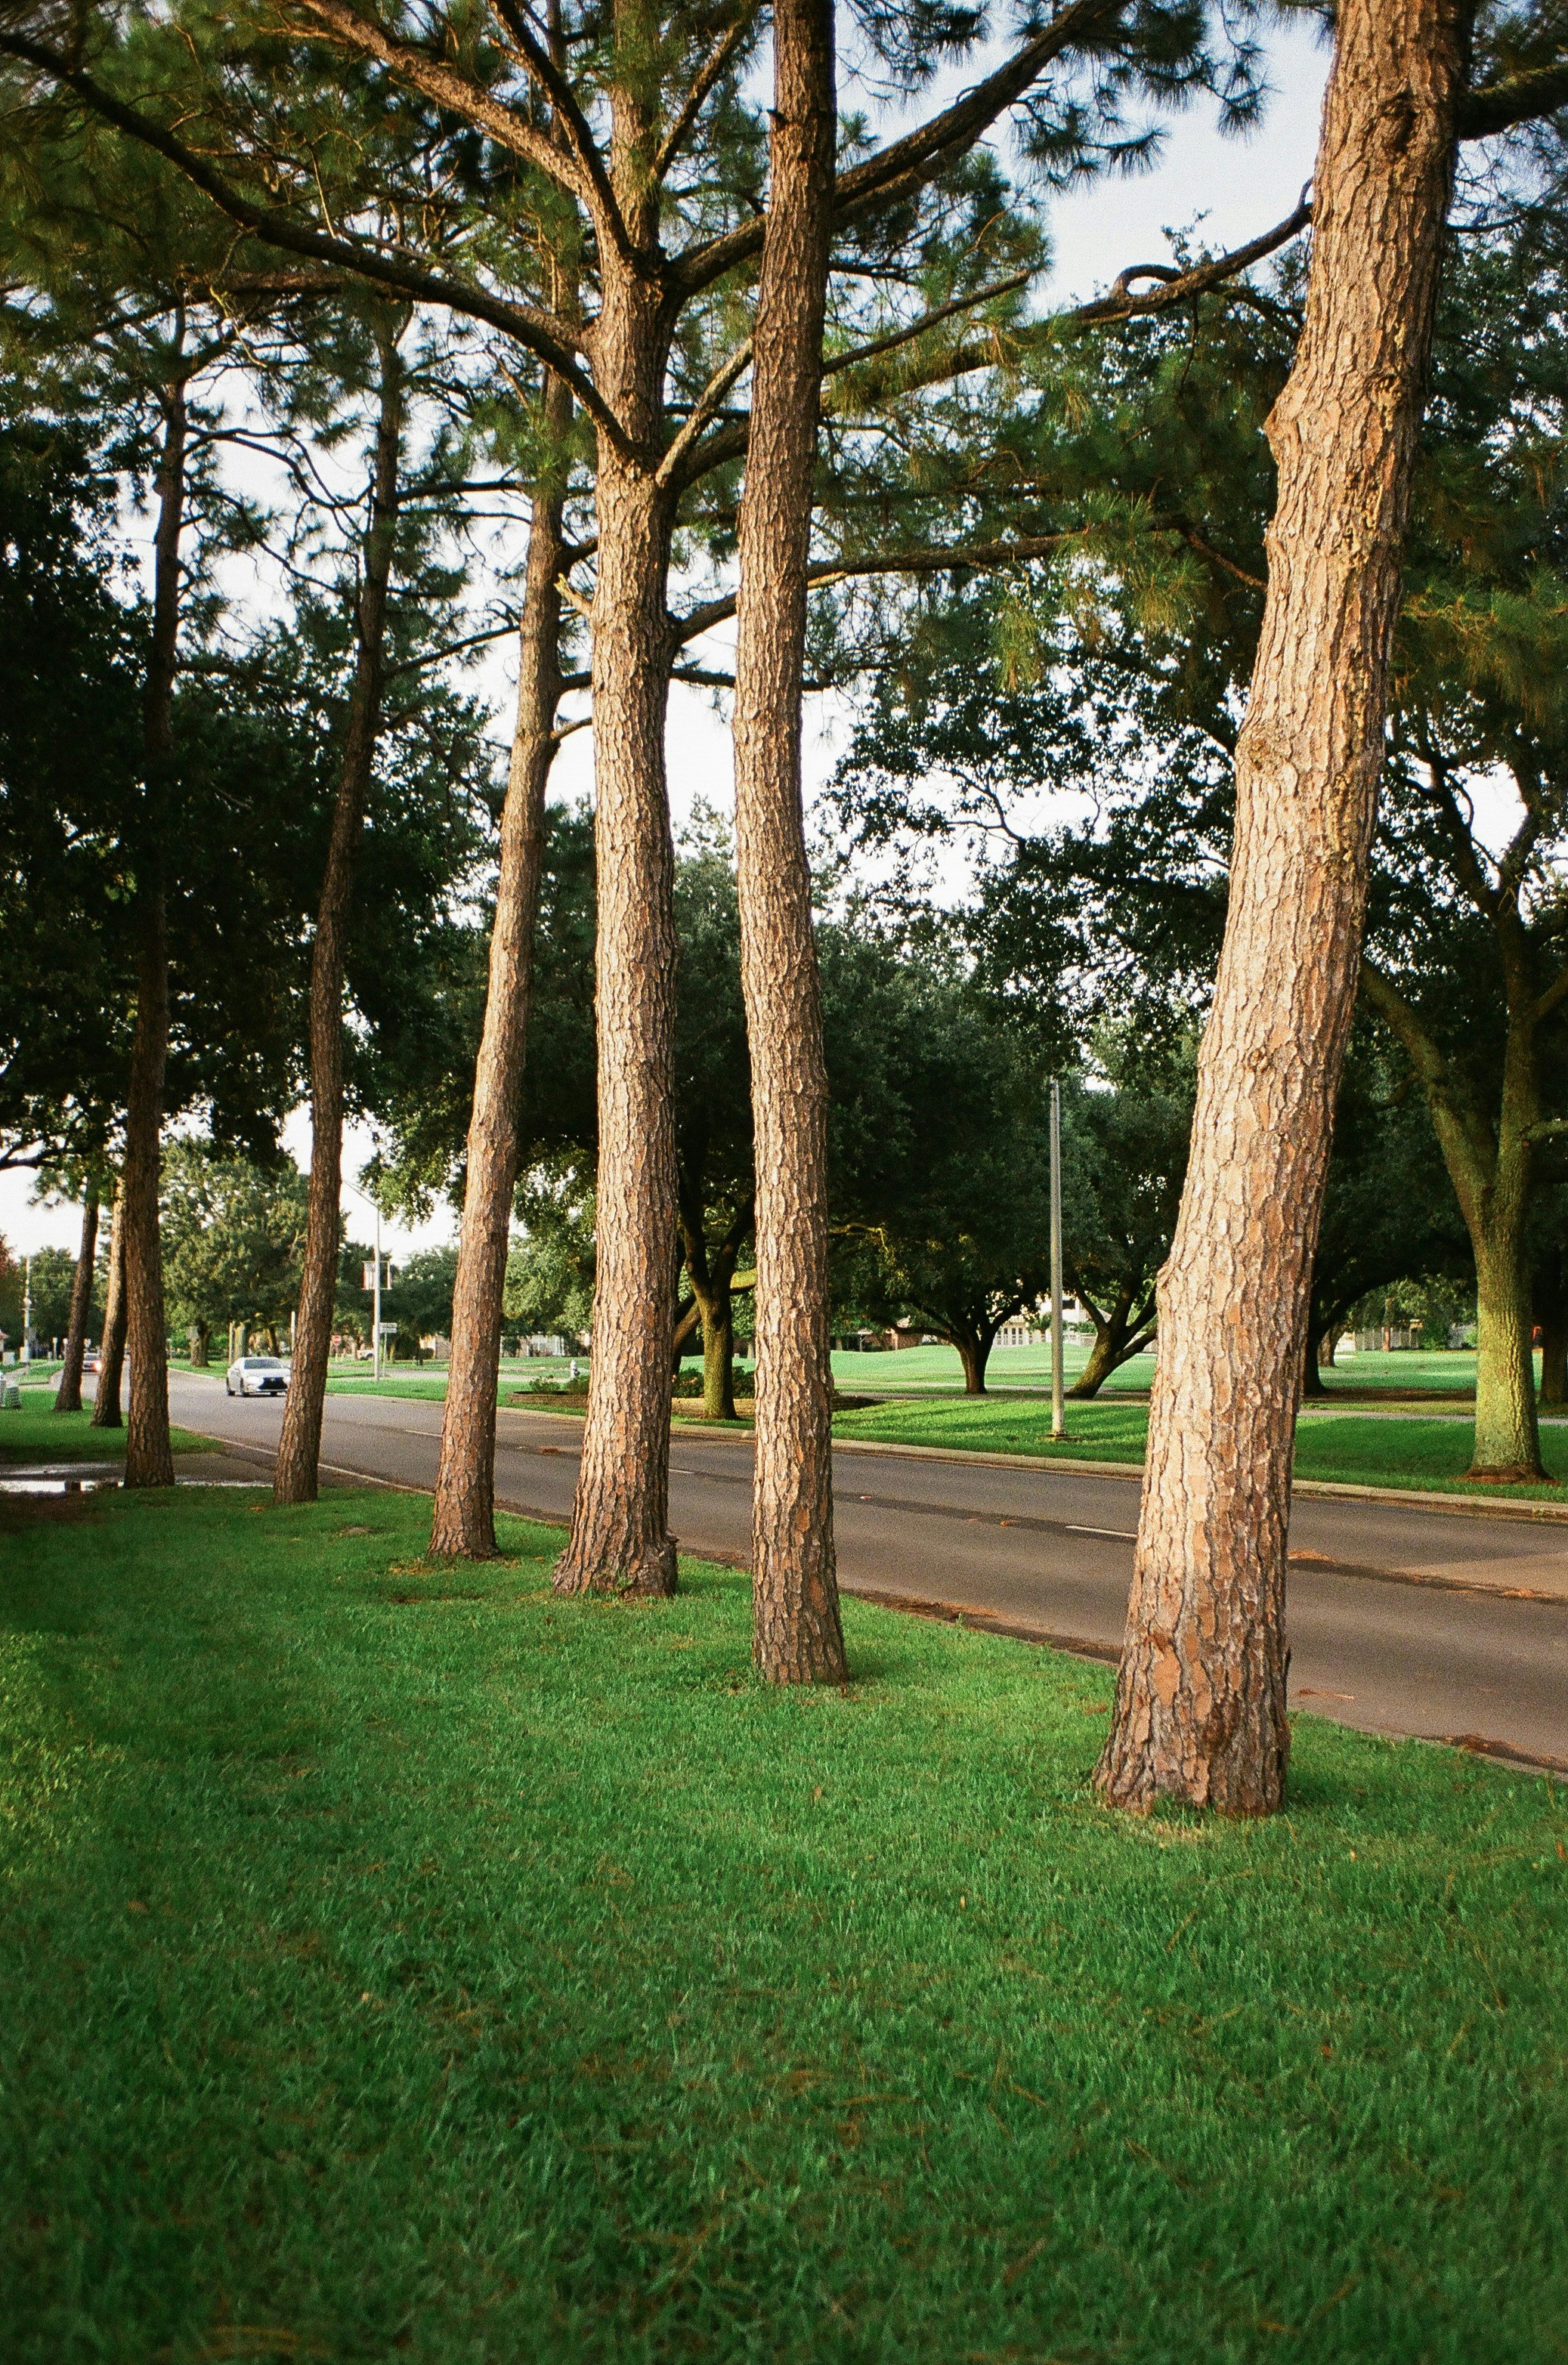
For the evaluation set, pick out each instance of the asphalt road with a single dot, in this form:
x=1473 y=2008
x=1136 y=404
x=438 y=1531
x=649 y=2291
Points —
x=1403 y=1619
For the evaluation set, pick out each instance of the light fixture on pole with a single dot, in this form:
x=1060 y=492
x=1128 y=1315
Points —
x=1058 y=1415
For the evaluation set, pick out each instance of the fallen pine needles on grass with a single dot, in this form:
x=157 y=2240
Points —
x=401 y=1961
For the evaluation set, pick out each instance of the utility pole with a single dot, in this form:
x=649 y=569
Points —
x=1059 y=1414
x=375 y=1290
x=28 y=1311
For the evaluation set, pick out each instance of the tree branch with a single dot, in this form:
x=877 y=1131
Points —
x=927 y=320
x=921 y=152
x=546 y=334
x=707 y=73
x=448 y=88
x=921 y=561
x=981 y=351
x=1180 y=287
x=1519 y=98
x=707 y=403
x=603 y=204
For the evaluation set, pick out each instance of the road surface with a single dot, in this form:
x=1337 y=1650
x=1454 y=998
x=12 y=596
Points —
x=1403 y=1619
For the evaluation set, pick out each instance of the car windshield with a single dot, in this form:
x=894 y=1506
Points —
x=262 y=1363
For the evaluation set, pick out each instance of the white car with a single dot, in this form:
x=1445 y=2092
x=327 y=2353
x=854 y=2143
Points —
x=256 y=1375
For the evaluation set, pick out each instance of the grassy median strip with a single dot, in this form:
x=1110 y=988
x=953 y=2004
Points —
x=1347 y=1448
x=36 y=1434
x=400 y=1961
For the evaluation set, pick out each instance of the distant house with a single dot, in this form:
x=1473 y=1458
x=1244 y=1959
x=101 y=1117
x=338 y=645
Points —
x=1034 y=1329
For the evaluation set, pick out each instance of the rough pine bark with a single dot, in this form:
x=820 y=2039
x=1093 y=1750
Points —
x=111 y=1358
x=798 y=1635
x=1200 y=1710
x=68 y=1395
x=464 y=1525
x=620 y=1541
x=149 y=1457
x=299 y=1447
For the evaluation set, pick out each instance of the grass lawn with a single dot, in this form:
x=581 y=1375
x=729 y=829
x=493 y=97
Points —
x=351 y=1379
x=1351 y=1451
x=36 y=1432
x=925 y=1369
x=402 y=1963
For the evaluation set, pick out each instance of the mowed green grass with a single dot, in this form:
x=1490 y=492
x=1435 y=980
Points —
x=403 y=1962
x=36 y=1433
x=1347 y=1449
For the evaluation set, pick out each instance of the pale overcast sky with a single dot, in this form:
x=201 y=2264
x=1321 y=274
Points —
x=1239 y=187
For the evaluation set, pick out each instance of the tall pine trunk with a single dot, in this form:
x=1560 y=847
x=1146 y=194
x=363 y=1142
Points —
x=620 y=1541
x=798 y=1635
x=111 y=1357
x=1200 y=1712
x=464 y=1517
x=68 y=1395
x=149 y=1457
x=299 y=1447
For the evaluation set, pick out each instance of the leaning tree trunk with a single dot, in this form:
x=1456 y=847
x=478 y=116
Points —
x=111 y=1354
x=798 y=1635
x=149 y=1457
x=620 y=1541
x=1116 y=1341
x=464 y=1518
x=1200 y=1712
x=68 y=1395
x=299 y=1447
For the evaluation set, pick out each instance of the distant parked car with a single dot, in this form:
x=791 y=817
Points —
x=256 y=1375
x=92 y=1363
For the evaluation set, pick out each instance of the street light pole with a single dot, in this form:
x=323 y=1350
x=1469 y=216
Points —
x=375 y=1290
x=1058 y=1415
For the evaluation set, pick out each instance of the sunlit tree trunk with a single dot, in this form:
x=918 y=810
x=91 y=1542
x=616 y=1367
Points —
x=111 y=1354
x=299 y=1447
x=798 y=1635
x=149 y=1457
x=620 y=1541
x=1200 y=1712
x=68 y=1395
x=465 y=1521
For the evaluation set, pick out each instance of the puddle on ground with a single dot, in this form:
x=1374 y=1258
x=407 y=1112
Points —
x=88 y=1478
x=40 y=1482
